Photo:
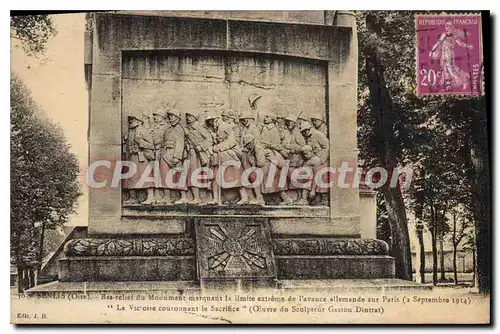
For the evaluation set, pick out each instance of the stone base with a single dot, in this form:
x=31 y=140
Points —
x=191 y=287
x=227 y=251
x=334 y=266
x=127 y=268
x=352 y=285
x=248 y=210
x=237 y=284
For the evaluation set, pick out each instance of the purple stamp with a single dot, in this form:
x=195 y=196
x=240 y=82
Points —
x=449 y=54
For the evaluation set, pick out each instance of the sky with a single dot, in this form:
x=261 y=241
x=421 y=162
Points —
x=57 y=84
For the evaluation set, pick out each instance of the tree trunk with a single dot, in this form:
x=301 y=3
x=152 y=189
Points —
x=455 y=275
x=382 y=109
x=434 y=256
x=20 y=279
x=434 y=245
x=441 y=259
x=31 y=275
x=400 y=241
x=481 y=191
x=40 y=250
x=455 y=244
x=422 y=256
x=474 y=269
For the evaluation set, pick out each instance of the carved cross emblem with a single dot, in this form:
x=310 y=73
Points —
x=233 y=245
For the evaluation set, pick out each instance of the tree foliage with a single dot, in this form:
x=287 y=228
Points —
x=44 y=183
x=33 y=31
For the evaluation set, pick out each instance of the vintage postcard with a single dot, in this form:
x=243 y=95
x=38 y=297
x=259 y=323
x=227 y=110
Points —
x=250 y=167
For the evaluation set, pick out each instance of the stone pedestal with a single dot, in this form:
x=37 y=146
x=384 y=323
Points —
x=224 y=250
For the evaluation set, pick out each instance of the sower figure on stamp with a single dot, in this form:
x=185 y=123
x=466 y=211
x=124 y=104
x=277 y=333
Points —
x=159 y=125
x=321 y=148
x=319 y=124
x=225 y=158
x=292 y=144
x=452 y=76
x=172 y=154
x=140 y=151
x=271 y=142
x=199 y=142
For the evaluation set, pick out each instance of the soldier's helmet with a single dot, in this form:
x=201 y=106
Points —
x=175 y=112
x=248 y=115
x=302 y=116
x=305 y=126
x=134 y=121
x=193 y=113
x=291 y=117
x=252 y=100
x=269 y=113
x=320 y=117
x=211 y=114
x=133 y=118
x=228 y=113
x=160 y=112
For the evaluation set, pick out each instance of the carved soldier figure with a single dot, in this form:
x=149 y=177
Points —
x=271 y=142
x=157 y=130
x=312 y=161
x=318 y=141
x=229 y=116
x=292 y=143
x=255 y=156
x=321 y=148
x=247 y=122
x=248 y=130
x=319 y=124
x=139 y=150
x=146 y=118
x=172 y=154
x=280 y=124
x=302 y=119
x=199 y=142
x=225 y=152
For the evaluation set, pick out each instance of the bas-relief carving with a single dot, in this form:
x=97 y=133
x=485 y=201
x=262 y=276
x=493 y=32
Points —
x=212 y=109
x=223 y=241
x=130 y=247
x=326 y=246
x=226 y=249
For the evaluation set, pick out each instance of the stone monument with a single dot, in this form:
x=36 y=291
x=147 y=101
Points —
x=167 y=87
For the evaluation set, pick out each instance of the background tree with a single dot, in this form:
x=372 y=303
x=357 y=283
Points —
x=469 y=245
x=44 y=181
x=33 y=31
x=461 y=226
x=386 y=68
x=469 y=118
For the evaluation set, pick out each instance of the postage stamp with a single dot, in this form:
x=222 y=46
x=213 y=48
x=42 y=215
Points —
x=449 y=54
